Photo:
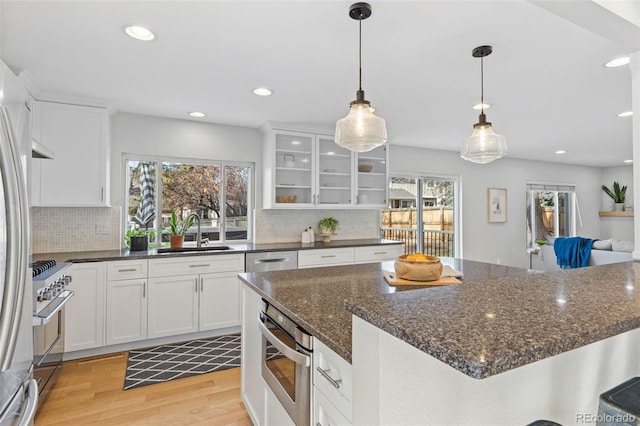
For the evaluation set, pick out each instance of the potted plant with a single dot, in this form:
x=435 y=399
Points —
x=137 y=239
x=178 y=229
x=327 y=227
x=617 y=195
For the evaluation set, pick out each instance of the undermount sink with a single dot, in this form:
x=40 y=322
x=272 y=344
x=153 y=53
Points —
x=190 y=249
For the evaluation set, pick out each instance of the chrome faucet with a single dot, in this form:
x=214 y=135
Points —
x=199 y=235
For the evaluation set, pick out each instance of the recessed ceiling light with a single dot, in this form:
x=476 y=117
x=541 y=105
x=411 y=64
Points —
x=628 y=161
x=262 y=91
x=139 y=33
x=197 y=114
x=618 y=62
x=480 y=106
x=626 y=114
x=561 y=151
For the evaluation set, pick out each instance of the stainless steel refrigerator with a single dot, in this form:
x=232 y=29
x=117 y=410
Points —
x=18 y=390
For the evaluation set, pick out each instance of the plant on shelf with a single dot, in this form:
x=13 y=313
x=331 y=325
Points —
x=618 y=195
x=137 y=238
x=178 y=229
x=328 y=225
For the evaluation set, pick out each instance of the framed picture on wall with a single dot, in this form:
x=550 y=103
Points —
x=497 y=202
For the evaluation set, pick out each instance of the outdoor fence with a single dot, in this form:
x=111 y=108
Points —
x=437 y=235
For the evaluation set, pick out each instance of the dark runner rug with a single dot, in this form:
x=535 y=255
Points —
x=175 y=361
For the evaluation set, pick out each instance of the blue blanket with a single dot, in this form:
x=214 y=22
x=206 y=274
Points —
x=572 y=252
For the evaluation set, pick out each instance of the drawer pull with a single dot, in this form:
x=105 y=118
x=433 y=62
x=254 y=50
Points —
x=144 y=289
x=201 y=265
x=127 y=270
x=328 y=255
x=325 y=374
x=380 y=252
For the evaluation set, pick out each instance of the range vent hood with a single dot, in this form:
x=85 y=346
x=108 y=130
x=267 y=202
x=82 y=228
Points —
x=38 y=150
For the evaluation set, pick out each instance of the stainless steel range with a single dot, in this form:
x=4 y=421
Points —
x=50 y=295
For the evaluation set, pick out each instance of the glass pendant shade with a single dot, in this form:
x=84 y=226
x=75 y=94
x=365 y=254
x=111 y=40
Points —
x=484 y=145
x=361 y=130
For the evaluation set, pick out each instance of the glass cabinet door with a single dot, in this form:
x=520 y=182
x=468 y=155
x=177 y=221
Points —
x=371 y=177
x=294 y=169
x=334 y=173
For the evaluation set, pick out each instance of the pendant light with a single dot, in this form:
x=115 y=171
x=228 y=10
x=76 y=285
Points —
x=484 y=145
x=360 y=130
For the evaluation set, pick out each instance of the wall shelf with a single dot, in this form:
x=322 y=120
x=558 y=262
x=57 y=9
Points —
x=616 y=214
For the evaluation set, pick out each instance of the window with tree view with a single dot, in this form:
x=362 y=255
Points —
x=218 y=192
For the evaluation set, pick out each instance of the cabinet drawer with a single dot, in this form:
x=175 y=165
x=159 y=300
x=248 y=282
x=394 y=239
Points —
x=377 y=253
x=186 y=265
x=332 y=376
x=325 y=257
x=126 y=269
x=325 y=413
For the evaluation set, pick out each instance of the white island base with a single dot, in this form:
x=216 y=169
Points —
x=396 y=384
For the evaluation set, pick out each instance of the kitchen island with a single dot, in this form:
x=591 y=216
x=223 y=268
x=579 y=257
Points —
x=504 y=347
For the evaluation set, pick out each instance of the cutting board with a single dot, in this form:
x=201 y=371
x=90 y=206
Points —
x=393 y=280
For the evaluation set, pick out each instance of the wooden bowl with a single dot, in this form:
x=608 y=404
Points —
x=418 y=270
x=287 y=198
x=365 y=168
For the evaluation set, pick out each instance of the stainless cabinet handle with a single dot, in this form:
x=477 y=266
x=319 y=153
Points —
x=327 y=256
x=325 y=374
x=279 y=259
x=196 y=285
x=102 y=193
x=202 y=265
x=127 y=270
x=201 y=284
x=380 y=252
x=144 y=289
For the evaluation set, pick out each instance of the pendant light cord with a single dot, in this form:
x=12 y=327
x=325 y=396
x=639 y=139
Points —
x=482 y=85
x=360 y=54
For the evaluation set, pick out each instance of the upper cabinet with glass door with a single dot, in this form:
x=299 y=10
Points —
x=371 y=177
x=308 y=170
x=294 y=170
x=335 y=171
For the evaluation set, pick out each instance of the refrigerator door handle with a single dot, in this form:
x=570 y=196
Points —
x=31 y=403
x=17 y=231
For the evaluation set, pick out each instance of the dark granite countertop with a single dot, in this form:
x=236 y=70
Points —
x=124 y=254
x=315 y=298
x=500 y=318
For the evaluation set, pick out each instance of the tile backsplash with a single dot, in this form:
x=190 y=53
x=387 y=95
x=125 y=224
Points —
x=65 y=229
x=274 y=226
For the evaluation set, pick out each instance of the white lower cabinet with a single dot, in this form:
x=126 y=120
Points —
x=173 y=305
x=381 y=253
x=190 y=294
x=84 y=313
x=126 y=315
x=325 y=257
x=274 y=412
x=332 y=387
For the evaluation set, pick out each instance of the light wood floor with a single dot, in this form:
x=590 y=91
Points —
x=90 y=392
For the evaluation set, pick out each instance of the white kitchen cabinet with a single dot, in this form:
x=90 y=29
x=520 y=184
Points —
x=219 y=301
x=172 y=305
x=193 y=293
x=274 y=412
x=379 y=253
x=126 y=315
x=79 y=136
x=332 y=379
x=309 y=170
x=84 y=313
x=252 y=385
x=325 y=257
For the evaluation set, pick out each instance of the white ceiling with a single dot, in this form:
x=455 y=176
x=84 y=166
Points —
x=545 y=78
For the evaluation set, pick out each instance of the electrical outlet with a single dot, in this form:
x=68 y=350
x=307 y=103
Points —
x=102 y=228
x=497 y=261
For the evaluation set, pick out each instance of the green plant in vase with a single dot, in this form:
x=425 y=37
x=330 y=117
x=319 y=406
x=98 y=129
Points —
x=327 y=226
x=138 y=239
x=178 y=229
x=618 y=195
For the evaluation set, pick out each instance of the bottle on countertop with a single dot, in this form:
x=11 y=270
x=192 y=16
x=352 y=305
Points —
x=304 y=238
x=312 y=235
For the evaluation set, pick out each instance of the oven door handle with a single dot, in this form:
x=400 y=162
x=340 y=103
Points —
x=285 y=350
x=51 y=309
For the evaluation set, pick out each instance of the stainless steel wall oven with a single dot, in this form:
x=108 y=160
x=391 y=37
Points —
x=286 y=362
